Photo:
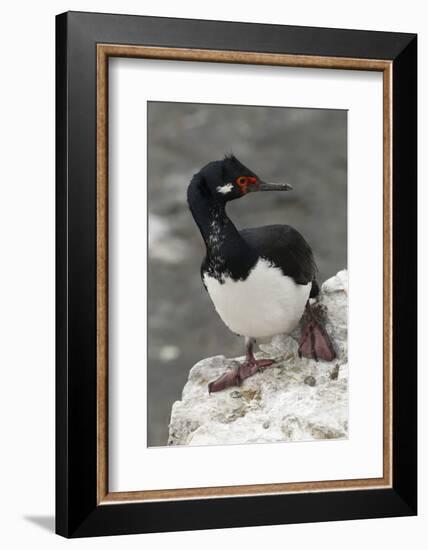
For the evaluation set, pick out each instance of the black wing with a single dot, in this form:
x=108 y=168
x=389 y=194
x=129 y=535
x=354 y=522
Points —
x=286 y=248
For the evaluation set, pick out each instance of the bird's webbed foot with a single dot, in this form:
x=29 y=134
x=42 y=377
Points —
x=226 y=380
x=236 y=375
x=314 y=341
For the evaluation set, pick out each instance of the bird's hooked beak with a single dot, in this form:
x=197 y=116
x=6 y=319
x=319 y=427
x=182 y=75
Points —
x=263 y=186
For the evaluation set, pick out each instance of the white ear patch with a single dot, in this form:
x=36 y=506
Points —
x=224 y=189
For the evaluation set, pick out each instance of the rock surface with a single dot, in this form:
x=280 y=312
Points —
x=297 y=400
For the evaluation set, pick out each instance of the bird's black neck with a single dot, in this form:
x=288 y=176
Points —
x=227 y=251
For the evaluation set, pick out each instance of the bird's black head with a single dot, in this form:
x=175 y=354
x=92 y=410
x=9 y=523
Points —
x=229 y=179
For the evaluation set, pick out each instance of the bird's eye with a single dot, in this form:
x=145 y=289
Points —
x=242 y=181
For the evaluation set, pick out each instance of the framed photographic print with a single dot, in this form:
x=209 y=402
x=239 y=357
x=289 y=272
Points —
x=228 y=356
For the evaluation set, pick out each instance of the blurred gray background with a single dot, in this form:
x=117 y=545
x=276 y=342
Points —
x=304 y=147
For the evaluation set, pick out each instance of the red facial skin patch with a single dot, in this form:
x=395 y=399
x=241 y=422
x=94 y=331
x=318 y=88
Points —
x=244 y=182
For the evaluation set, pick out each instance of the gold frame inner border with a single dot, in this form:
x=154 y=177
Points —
x=104 y=52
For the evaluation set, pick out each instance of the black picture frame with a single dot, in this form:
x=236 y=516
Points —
x=78 y=513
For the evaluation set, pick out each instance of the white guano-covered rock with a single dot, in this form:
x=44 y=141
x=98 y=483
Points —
x=297 y=400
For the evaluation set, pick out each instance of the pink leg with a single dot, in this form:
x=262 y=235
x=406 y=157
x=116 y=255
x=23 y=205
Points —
x=235 y=376
x=314 y=341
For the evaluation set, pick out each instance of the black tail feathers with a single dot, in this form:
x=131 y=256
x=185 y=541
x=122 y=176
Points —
x=315 y=290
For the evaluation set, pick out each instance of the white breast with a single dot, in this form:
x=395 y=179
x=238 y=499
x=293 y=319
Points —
x=265 y=304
